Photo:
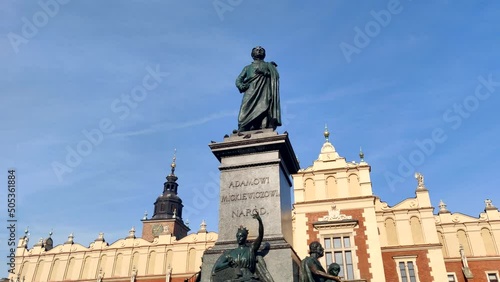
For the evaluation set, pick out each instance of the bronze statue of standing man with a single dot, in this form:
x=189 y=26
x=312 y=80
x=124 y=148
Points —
x=259 y=81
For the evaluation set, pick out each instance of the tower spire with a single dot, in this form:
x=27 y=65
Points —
x=167 y=211
x=168 y=204
x=173 y=165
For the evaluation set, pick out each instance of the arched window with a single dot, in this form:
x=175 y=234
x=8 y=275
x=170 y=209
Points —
x=354 y=188
x=391 y=231
x=169 y=256
x=191 y=260
x=86 y=268
x=39 y=271
x=416 y=230
x=310 y=193
x=102 y=265
x=464 y=241
x=331 y=187
x=117 y=270
x=135 y=262
x=489 y=244
x=442 y=240
x=70 y=270
x=151 y=263
x=54 y=271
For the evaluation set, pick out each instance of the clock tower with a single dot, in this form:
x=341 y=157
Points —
x=167 y=216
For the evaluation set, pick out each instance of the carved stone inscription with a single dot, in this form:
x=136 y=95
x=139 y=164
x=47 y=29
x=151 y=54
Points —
x=248 y=192
x=248 y=212
x=249 y=182
x=249 y=196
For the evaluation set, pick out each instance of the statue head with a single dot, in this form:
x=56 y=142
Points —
x=316 y=248
x=258 y=53
x=334 y=269
x=241 y=235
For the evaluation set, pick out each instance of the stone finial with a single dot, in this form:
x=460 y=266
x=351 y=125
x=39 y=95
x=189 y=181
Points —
x=328 y=152
x=175 y=214
x=326 y=133
x=25 y=239
x=100 y=276
x=100 y=237
x=134 y=274
x=145 y=217
x=70 y=238
x=24 y=242
x=420 y=181
x=39 y=243
x=462 y=255
x=361 y=155
x=187 y=222
x=442 y=207
x=489 y=205
x=466 y=270
x=131 y=233
x=203 y=227
x=168 y=273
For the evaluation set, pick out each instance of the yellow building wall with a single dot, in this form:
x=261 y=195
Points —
x=66 y=262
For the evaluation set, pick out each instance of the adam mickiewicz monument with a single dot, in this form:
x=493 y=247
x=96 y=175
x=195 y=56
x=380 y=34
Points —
x=256 y=164
x=259 y=82
x=255 y=167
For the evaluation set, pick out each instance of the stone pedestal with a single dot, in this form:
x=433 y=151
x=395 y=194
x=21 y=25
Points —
x=255 y=176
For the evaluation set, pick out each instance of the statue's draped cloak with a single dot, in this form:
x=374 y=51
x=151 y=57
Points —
x=307 y=275
x=262 y=95
x=243 y=258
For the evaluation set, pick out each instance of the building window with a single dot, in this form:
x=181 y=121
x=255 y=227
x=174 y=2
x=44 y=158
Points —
x=407 y=271
x=492 y=276
x=407 y=268
x=339 y=249
x=452 y=277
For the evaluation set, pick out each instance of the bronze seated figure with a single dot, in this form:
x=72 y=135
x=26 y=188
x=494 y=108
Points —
x=242 y=263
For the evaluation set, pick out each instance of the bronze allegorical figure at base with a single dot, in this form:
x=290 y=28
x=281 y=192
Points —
x=242 y=263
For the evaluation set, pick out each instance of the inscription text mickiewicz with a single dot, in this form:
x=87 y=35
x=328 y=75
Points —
x=249 y=196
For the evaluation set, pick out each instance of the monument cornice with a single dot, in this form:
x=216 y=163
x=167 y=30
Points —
x=227 y=167
x=249 y=146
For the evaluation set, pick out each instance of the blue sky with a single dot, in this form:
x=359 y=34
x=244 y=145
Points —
x=66 y=68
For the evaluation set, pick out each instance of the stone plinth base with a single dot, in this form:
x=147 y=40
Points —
x=255 y=171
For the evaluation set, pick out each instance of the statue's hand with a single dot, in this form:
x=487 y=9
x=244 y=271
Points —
x=244 y=87
x=262 y=72
x=230 y=261
x=256 y=215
